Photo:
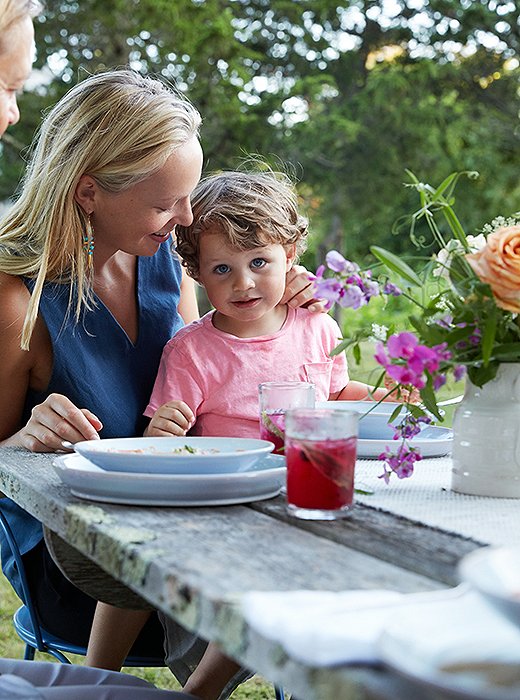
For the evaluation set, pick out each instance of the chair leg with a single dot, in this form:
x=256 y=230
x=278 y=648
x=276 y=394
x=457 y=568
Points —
x=278 y=693
x=29 y=652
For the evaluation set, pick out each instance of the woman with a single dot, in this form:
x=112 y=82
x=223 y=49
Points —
x=89 y=291
x=30 y=679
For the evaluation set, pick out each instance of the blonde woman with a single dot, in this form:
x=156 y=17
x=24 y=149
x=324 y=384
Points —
x=32 y=679
x=89 y=291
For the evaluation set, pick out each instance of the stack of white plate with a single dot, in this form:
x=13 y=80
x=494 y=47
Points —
x=195 y=471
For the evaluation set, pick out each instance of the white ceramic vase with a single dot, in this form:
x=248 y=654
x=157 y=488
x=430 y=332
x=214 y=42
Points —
x=486 y=437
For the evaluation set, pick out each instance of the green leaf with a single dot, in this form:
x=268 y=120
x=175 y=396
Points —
x=508 y=352
x=394 y=263
x=429 y=400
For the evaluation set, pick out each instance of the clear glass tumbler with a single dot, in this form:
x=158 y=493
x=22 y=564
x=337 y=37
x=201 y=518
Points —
x=320 y=449
x=275 y=398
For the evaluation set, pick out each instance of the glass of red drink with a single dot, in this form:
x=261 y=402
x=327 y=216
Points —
x=275 y=398
x=320 y=449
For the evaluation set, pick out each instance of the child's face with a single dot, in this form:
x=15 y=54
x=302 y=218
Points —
x=243 y=284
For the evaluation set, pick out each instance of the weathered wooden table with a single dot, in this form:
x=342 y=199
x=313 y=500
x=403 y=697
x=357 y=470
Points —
x=195 y=563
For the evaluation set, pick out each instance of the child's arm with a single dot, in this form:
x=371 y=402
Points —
x=114 y=631
x=358 y=391
x=172 y=418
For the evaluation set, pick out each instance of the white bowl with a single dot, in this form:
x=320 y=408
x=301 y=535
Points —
x=387 y=407
x=165 y=455
x=495 y=573
x=373 y=417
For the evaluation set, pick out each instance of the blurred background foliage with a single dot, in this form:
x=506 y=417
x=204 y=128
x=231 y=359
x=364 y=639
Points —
x=346 y=95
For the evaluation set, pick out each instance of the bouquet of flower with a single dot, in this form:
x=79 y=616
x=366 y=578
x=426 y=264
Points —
x=467 y=300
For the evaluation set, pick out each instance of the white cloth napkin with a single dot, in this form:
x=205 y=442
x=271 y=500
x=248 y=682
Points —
x=323 y=628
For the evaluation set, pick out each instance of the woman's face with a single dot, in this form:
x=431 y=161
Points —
x=15 y=66
x=142 y=217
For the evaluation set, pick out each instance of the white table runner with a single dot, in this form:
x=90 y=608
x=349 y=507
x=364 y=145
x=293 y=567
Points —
x=427 y=498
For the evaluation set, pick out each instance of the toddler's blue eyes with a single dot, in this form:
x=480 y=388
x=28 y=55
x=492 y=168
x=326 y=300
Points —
x=221 y=269
x=258 y=262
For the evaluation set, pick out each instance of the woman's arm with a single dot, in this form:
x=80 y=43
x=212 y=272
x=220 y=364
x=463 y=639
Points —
x=299 y=291
x=56 y=419
x=188 y=306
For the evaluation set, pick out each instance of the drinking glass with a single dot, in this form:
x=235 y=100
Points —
x=320 y=450
x=275 y=398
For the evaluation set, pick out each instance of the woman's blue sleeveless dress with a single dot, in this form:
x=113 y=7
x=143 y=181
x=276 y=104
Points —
x=97 y=367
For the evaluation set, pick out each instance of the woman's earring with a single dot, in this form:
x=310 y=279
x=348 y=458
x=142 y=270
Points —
x=88 y=240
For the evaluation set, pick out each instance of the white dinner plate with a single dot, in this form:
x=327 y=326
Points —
x=211 y=455
x=455 y=647
x=432 y=441
x=86 y=480
x=495 y=573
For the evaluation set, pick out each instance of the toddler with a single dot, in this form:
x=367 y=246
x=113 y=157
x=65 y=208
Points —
x=246 y=234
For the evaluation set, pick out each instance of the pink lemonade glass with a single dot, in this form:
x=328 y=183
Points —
x=275 y=398
x=320 y=449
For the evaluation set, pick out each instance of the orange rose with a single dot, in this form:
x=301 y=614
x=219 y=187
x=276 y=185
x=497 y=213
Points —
x=498 y=264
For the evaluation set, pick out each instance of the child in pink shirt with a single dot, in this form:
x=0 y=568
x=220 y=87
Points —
x=246 y=234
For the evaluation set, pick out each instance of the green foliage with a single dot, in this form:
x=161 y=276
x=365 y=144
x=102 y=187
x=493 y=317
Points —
x=347 y=94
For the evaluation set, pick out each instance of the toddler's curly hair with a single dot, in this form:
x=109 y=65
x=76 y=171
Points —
x=251 y=209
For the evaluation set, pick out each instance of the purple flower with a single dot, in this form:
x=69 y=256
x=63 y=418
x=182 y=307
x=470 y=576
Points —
x=445 y=322
x=400 y=463
x=459 y=371
x=392 y=289
x=371 y=290
x=337 y=263
x=406 y=375
x=352 y=297
x=329 y=289
x=410 y=427
x=381 y=356
x=402 y=345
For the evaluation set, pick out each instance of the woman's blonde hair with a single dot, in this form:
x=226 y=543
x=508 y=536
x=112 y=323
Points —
x=12 y=11
x=251 y=209
x=119 y=128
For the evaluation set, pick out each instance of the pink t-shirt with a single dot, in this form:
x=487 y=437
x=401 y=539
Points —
x=217 y=374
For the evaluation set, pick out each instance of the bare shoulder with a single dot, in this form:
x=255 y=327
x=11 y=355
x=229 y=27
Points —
x=14 y=299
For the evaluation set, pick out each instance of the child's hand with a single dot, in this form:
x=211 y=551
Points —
x=399 y=393
x=172 y=418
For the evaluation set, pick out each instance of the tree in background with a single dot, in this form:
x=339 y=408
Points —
x=351 y=94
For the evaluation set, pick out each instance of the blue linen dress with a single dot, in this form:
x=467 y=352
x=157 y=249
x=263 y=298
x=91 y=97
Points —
x=97 y=367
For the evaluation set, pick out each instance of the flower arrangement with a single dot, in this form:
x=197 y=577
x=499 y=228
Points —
x=467 y=301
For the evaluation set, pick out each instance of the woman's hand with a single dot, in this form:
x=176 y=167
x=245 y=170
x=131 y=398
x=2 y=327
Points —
x=172 y=418
x=55 y=421
x=298 y=290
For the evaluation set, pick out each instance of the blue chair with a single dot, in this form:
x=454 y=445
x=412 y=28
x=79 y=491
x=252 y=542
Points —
x=29 y=629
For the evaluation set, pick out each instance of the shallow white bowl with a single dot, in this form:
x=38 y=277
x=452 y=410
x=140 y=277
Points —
x=495 y=573
x=158 y=456
x=373 y=417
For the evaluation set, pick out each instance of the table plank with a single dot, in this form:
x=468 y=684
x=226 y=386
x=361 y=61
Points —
x=424 y=550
